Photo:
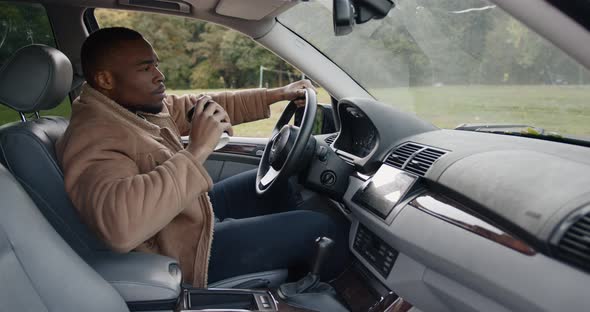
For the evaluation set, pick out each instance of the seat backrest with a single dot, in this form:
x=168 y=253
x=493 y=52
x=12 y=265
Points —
x=35 y=78
x=38 y=270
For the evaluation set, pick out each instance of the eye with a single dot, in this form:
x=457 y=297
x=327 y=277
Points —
x=147 y=68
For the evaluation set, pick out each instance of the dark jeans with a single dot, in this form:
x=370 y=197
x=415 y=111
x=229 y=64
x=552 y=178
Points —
x=258 y=234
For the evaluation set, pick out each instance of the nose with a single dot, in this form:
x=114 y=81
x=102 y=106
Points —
x=159 y=77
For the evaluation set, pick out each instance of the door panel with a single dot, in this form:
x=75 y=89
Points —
x=239 y=155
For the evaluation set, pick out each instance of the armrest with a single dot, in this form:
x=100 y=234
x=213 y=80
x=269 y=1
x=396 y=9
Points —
x=140 y=276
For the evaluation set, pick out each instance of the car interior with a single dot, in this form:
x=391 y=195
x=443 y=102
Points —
x=466 y=219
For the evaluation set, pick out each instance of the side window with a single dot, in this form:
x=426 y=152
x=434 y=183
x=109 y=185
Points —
x=197 y=57
x=23 y=24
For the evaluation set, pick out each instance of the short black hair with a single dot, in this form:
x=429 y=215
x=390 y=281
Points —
x=99 y=45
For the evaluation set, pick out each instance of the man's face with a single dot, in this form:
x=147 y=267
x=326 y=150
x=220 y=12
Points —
x=138 y=84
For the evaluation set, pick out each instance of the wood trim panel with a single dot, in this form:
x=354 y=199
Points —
x=242 y=149
x=449 y=212
x=391 y=303
x=400 y=305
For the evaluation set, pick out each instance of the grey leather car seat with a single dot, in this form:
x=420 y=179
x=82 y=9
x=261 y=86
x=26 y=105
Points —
x=36 y=78
x=38 y=270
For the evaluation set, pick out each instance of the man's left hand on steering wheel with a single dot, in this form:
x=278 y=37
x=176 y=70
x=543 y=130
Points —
x=285 y=150
x=292 y=92
x=296 y=91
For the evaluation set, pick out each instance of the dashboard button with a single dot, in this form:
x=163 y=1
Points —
x=328 y=178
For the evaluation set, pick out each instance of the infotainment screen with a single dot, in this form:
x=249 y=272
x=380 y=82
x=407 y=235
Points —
x=384 y=190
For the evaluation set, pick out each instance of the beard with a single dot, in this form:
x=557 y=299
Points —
x=155 y=108
x=152 y=109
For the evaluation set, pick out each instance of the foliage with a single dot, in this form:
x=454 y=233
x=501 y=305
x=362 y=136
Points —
x=21 y=25
x=195 y=54
x=481 y=66
x=438 y=42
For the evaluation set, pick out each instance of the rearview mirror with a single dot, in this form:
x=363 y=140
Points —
x=346 y=13
x=343 y=17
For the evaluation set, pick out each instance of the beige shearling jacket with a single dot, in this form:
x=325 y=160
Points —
x=134 y=184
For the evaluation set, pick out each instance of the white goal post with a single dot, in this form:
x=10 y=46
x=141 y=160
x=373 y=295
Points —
x=280 y=72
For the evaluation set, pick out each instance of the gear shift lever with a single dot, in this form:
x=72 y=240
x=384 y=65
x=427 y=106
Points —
x=323 y=245
x=311 y=282
x=309 y=292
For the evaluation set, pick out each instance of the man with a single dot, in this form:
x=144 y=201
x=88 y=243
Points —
x=132 y=181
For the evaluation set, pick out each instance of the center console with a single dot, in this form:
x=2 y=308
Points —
x=380 y=198
x=150 y=282
x=384 y=191
x=374 y=250
x=140 y=278
x=227 y=299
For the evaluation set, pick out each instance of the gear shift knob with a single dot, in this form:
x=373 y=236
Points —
x=311 y=284
x=323 y=245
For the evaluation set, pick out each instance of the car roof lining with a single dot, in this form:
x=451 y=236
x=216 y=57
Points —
x=229 y=13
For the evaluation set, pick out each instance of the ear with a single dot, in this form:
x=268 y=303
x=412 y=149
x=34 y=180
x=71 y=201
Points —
x=104 y=80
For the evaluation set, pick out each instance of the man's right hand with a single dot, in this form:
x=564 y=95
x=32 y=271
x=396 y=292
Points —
x=207 y=126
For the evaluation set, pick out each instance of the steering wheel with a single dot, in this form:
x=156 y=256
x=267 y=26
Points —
x=286 y=145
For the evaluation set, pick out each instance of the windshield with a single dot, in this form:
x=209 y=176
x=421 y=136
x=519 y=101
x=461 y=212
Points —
x=453 y=62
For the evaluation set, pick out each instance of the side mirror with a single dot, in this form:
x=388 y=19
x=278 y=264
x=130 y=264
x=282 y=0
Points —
x=324 y=119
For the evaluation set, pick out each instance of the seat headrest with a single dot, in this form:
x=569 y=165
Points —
x=34 y=78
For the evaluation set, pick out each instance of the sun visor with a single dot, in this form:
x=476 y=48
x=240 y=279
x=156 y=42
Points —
x=164 y=5
x=250 y=10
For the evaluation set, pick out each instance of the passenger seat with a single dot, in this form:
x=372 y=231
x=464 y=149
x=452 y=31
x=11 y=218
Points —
x=35 y=78
x=38 y=270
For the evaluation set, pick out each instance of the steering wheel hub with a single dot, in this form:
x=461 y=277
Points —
x=282 y=145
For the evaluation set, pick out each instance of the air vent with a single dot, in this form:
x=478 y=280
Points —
x=401 y=154
x=330 y=139
x=574 y=246
x=423 y=160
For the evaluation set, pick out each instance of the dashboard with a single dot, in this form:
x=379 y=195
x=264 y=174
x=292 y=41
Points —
x=454 y=220
x=360 y=137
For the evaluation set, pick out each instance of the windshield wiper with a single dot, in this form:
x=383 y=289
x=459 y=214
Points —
x=524 y=131
x=510 y=129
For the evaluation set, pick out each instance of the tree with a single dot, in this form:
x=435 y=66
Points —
x=195 y=54
x=17 y=19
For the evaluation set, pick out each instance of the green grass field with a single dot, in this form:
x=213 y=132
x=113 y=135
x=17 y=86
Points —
x=8 y=115
x=565 y=109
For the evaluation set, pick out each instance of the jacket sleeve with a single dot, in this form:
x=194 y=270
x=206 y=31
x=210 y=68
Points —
x=125 y=207
x=241 y=106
